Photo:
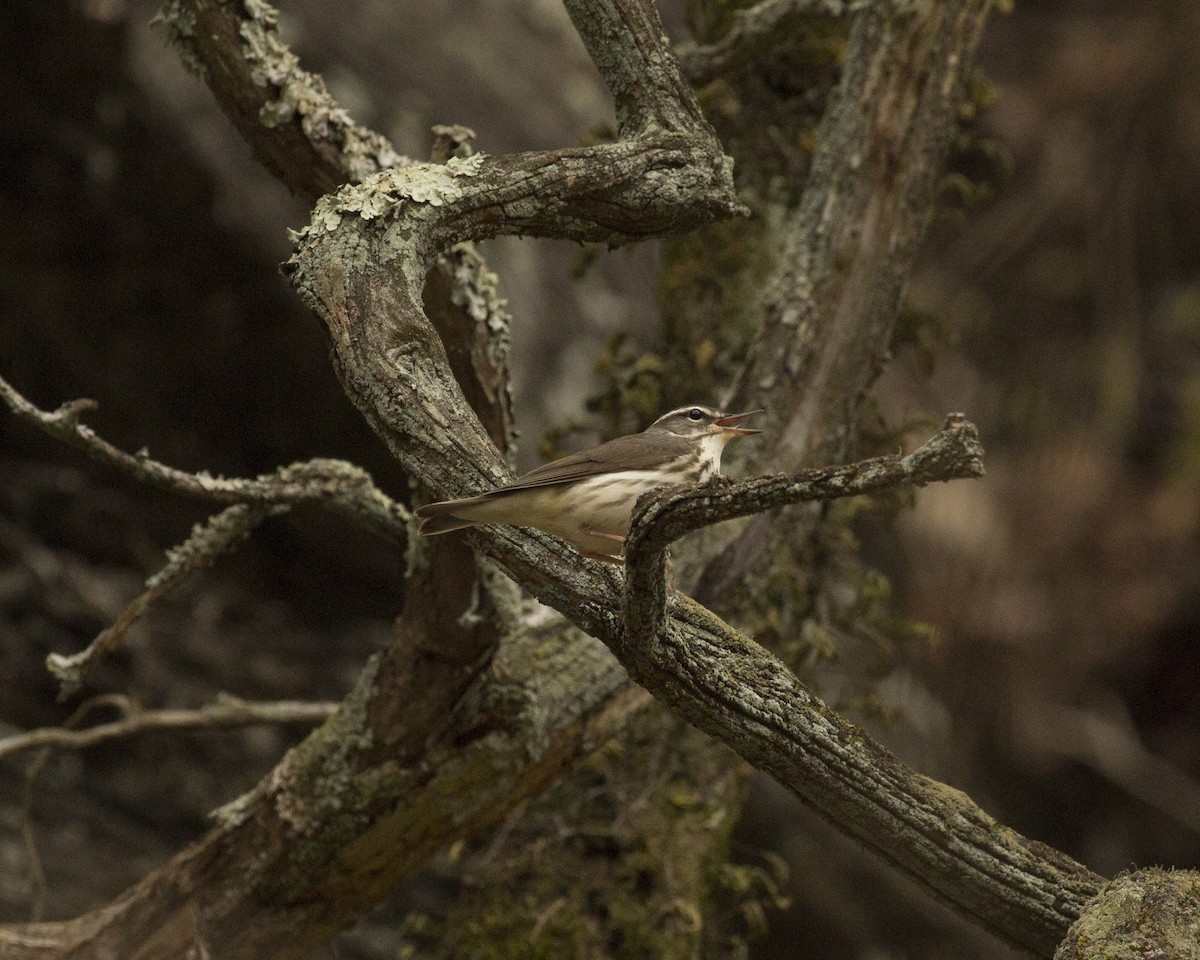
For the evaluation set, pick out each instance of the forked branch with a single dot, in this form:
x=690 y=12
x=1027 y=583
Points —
x=337 y=485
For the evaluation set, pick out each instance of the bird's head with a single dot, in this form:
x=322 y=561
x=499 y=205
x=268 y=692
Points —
x=697 y=422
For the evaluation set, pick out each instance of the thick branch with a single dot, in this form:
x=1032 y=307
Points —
x=431 y=746
x=363 y=278
x=389 y=361
x=295 y=128
x=625 y=40
x=362 y=802
x=1148 y=913
x=734 y=690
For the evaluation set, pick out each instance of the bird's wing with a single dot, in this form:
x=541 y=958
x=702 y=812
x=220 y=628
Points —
x=630 y=452
x=578 y=466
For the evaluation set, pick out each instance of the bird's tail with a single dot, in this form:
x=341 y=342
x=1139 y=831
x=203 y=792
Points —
x=439 y=518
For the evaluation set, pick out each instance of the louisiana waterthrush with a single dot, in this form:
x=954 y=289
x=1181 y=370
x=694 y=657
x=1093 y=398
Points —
x=587 y=498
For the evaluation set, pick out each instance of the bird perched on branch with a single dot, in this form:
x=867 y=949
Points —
x=587 y=498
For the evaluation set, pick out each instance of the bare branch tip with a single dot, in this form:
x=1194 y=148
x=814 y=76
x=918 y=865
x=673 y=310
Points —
x=67 y=671
x=967 y=435
x=71 y=411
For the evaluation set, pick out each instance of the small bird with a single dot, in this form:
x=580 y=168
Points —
x=588 y=498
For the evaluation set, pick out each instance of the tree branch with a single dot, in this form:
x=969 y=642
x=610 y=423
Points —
x=425 y=751
x=340 y=486
x=429 y=748
x=295 y=128
x=198 y=552
x=337 y=485
x=387 y=357
x=360 y=264
x=662 y=517
x=734 y=690
x=226 y=712
x=830 y=305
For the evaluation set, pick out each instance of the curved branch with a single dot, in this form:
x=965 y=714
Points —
x=198 y=552
x=295 y=128
x=662 y=517
x=366 y=798
x=356 y=279
x=734 y=690
x=430 y=746
x=359 y=265
x=729 y=687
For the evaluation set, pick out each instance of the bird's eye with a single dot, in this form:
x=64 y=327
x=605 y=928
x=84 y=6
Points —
x=695 y=414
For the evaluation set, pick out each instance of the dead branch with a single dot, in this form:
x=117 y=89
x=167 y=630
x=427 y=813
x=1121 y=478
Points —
x=198 y=552
x=340 y=486
x=359 y=266
x=337 y=485
x=366 y=778
x=361 y=802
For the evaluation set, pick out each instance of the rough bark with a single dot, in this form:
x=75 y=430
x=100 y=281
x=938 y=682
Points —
x=295 y=128
x=1147 y=912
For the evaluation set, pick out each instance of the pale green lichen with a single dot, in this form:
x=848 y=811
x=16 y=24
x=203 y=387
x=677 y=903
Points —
x=304 y=95
x=1149 y=913
x=324 y=758
x=181 y=33
x=477 y=290
x=320 y=758
x=434 y=184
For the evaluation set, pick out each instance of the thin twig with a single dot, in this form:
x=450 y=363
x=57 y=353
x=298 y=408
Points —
x=225 y=712
x=39 y=887
x=336 y=484
x=198 y=552
x=662 y=517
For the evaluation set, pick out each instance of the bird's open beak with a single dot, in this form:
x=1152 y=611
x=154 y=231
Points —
x=730 y=423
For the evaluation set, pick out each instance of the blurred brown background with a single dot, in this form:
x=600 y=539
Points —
x=138 y=267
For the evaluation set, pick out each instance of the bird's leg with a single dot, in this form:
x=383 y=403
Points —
x=602 y=535
x=620 y=561
x=607 y=558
